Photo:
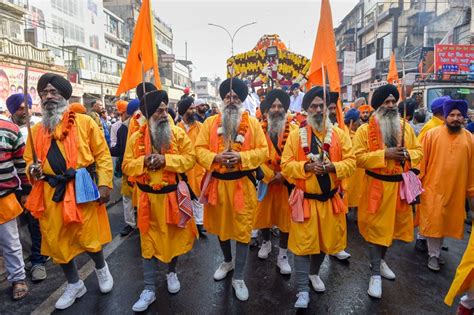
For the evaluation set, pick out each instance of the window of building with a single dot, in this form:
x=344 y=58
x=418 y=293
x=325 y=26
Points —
x=68 y=29
x=70 y=7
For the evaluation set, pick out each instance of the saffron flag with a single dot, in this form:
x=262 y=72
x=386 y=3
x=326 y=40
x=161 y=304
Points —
x=392 y=76
x=143 y=47
x=324 y=53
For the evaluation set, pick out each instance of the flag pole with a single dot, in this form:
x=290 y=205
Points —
x=144 y=94
x=324 y=112
x=27 y=109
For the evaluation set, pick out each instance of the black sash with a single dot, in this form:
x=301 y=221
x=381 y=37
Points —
x=390 y=178
x=58 y=165
x=275 y=144
x=240 y=174
x=164 y=190
x=321 y=197
x=324 y=180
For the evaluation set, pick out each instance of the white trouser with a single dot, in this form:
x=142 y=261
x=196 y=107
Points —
x=434 y=246
x=12 y=253
x=198 y=210
x=128 y=211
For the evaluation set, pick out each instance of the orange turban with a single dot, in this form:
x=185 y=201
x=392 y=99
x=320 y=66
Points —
x=121 y=106
x=78 y=108
x=364 y=108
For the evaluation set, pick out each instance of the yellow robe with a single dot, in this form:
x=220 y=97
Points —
x=274 y=209
x=432 y=123
x=195 y=174
x=163 y=241
x=464 y=279
x=447 y=174
x=386 y=224
x=222 y=219
x=354 y=187
x=64 y=242
x=324 y=231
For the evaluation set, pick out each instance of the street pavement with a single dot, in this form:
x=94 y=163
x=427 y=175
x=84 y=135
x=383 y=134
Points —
x=416 y=290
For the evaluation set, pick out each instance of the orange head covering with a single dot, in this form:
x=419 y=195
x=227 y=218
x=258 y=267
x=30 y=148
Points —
x=78 y=108
x=364 y=108
x=121 y=106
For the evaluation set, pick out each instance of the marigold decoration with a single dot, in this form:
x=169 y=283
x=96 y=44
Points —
x=67 y=121
x=304 y=131
x=239 y=138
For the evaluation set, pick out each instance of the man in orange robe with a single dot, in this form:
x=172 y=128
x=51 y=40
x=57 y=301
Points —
x=273 y=208
x=447 y=174
x=68 y=144
x=192 y=127
x=382 y=215
x=231 y=146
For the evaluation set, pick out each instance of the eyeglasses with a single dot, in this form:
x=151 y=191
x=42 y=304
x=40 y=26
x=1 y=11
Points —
x=45 y=93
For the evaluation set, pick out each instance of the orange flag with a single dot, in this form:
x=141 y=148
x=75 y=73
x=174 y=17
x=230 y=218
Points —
x=143 y=45
x=324 y=53
x=392 y=71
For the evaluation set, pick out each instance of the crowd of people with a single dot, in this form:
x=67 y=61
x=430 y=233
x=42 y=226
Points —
x=286 y=160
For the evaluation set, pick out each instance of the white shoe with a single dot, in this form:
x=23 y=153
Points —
x=317 y=283
x=146 y=298
x=241 y=291
x=375 y=287
x=173 y=282
x=265 y=250
x=282 y=263
x=106 y=282
x=303 y=300
x=342 y=255
x=223 y=270
x=385 y=271
x=73 y=291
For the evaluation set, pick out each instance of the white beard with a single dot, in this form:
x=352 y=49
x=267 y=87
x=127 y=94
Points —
x=160 y=134
x=276 y=123
x=389 y=126
x=316 y=121
x=231 y=116
x=52 y=117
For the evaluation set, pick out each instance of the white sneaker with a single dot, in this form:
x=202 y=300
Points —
x=106 y=282
x=282 y=263
x=173 y=282
x=265 y=250
x=317 y=283
x=73 y=291
x=241 y=291
x=223 y=270
x=385 y=271
x=375 y=287
x=146 y=298
x=303 y=300
x=342 y=255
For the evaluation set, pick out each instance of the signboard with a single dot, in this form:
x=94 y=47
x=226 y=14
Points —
x=11 y=82
x=168 y=58
x=453 y=59
x=366 y=64
x=349 y=63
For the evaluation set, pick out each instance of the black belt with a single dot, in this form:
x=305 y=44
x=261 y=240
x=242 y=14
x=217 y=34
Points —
x=58 y=182
x=389 y=178
x=321 y=197
x=236 y=175
x=164 y=190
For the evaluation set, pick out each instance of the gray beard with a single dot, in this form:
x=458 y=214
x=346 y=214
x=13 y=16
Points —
x=160 y=134
x=231 y=116
x=389 y=122
x=276 y=123
x=52 y=117
x=316 y=121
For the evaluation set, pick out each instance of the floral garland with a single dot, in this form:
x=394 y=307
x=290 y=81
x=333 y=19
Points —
x=303 y=131
x=68 y=120
x=239 y=138
x=168 y=177
x=286 y=133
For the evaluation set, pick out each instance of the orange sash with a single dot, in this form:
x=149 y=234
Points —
x=68 y=136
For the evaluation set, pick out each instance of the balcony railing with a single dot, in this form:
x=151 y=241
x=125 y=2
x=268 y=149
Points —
x=25 y=51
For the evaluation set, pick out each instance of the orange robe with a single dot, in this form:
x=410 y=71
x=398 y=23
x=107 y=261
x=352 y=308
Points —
x=447 y=174
x=222 y=218
x=274 y=209
x=393 y=219
x=64 y=242
x=354 y=186
x=195 y=174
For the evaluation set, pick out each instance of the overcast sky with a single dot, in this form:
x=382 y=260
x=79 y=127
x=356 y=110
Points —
x=208 y=47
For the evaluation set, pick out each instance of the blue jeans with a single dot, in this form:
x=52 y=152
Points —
x=33 y=226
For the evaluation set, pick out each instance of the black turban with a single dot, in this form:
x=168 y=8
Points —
x=238 y=86
x=148 y=88
x=311 y=94
x=272 y=96
x=381 y=94
x=333 y=97
x=60 y=83
x=153 y=100
x=184 y=104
